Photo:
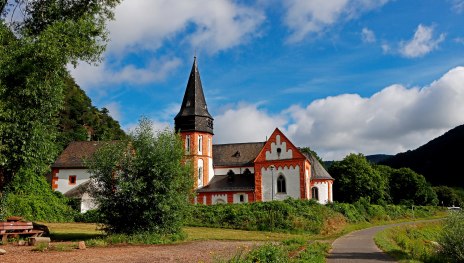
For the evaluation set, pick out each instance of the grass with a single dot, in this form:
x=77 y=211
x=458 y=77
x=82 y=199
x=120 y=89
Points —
x=411 y=243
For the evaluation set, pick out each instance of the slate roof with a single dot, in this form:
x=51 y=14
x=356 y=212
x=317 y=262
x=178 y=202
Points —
x=236 y=154
x=225 y=183
x=193 y=114
x=317 y=170
x=75 y=153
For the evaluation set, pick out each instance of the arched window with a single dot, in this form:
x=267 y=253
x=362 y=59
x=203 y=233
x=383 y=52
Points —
x=200 y=172
x=315 y=193
x=247 y=172
x=230 y=176
x=281 y=186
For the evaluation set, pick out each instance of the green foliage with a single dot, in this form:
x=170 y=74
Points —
x=293 y=250
x=448 y=196
x=140 y=184
x=78 y=118
x=289 y=215
x=31 y=197
x=452 y=239
x=90 y=216
x=34 y=53
x=308 y=150
x=362 y=211
x=412 y=242
x=355 y=178
x=408 y=187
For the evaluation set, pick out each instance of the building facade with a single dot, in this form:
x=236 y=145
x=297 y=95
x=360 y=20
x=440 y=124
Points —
x=244 y=172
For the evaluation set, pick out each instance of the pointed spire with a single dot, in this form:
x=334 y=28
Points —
x=193 y=114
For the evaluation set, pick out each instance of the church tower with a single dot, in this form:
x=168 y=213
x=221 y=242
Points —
x=195 y=125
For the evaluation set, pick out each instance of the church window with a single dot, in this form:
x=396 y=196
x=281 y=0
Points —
x=200 y=144
x=281 y=186
x=187 y=144
x=247 y=172
x=315 y=193
x=242 y=198
x=209 y=147
x=279 y=151
x=200 y=173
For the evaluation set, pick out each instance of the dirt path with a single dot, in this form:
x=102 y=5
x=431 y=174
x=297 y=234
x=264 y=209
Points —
x=199 y=251
x=359 y=246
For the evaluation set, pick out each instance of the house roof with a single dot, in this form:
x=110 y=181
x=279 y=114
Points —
x=226 y=183
x=317 y=170
x=78 y=191
x=73 y=156
x=236 y=154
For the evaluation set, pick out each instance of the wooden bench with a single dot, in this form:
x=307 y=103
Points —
x=16 y=229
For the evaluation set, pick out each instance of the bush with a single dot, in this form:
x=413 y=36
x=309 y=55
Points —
x=141 y=184
x=30 y=196
x=289 y=215
x=452 y=238
x=91 y=216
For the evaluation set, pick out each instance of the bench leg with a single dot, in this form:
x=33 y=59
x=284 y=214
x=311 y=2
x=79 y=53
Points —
x=4 y=239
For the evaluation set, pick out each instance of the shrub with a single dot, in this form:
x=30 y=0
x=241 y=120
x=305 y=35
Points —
x=90 y=216
x=31 y=197
x=452 y=238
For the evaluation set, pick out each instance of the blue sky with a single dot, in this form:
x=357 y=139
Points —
x=339 y=76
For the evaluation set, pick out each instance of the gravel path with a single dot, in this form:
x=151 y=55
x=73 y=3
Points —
x=199 y=251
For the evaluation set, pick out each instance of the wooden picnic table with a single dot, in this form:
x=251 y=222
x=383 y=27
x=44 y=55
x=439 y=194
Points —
x=18 y=228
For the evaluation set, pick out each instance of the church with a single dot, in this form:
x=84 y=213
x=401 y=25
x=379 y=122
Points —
x=224 y=173
x=244 y=172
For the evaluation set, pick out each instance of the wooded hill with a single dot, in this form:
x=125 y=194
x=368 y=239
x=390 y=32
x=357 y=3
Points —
x=440 y=160
x=79 y=120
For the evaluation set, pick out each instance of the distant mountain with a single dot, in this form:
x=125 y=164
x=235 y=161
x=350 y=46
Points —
x=440 y=160
x=377 y=158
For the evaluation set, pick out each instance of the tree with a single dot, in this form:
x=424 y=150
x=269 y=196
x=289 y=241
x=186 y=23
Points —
x=142 y=184
x=308 y=150
x=447 y=196
x=355 y=178
x=34 y=52
x=409 y=187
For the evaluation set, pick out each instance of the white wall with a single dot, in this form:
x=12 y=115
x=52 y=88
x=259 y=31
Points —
x=237 y=198
x=292 y=180
x=236 y=170
x=87 y=203
x=215 y=198
x=82 y=176
x=323 y=192
x=284 y=154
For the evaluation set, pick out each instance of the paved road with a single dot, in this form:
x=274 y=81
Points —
x=359 y=246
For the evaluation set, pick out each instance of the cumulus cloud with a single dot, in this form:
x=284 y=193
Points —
x=422 y=43
x=245 y=123
x=367 y=35
x=308 y=17
x=209 y=25
x=393 y=120
x=156 y=70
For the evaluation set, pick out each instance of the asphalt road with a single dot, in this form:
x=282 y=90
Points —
x=359 y=246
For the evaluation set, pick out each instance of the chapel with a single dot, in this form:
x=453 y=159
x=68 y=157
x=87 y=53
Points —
x=244 y=172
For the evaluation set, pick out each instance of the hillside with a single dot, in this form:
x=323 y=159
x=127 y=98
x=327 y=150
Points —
x=377 y=158
x=439 y=160
x=80 y=120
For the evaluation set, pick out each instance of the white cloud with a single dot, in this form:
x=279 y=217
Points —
x=156 y=126
x=245 y=123
x=393 y=120
x=309 y=17
x=89 y=75
x=367 y=35
x=209 y=25
x=421 y=44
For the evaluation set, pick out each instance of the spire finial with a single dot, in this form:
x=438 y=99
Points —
x=195 y=54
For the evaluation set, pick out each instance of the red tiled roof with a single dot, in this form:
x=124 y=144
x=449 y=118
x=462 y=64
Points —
x=75 y=153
